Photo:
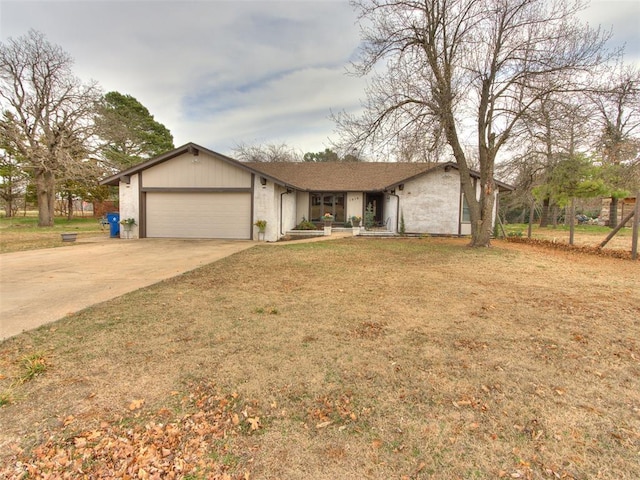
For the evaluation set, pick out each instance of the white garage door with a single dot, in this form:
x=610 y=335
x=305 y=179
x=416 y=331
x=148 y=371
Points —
x=198 y=215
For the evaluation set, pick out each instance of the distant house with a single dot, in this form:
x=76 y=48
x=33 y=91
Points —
x=625 y=207
x=193 y=192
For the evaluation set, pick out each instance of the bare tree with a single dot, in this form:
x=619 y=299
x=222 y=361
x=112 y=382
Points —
x=468 y=66
x=557 y=127
x=618 y=107
x=46 y=111
x=270 y=152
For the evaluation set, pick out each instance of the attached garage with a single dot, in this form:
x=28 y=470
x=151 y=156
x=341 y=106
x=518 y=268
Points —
x=190 y=192
x=198 y=215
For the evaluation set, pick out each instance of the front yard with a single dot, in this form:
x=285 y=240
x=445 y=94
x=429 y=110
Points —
x=349 y=359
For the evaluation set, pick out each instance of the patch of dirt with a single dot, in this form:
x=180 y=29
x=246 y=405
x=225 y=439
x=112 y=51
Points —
x=354 y=358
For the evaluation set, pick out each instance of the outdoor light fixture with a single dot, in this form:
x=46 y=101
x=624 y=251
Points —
x=401 y=187
x=263 y=181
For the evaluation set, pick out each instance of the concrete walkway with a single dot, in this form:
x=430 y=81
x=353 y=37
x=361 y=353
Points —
x=41 y=286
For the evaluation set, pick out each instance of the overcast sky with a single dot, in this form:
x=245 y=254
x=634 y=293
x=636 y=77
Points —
x=221 y=73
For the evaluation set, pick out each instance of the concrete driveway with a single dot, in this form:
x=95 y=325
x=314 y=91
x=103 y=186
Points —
x=41 y=286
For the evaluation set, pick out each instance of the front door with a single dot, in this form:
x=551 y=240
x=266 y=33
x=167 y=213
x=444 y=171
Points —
x=375 y=202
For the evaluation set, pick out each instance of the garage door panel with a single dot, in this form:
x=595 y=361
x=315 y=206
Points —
x=198 y=215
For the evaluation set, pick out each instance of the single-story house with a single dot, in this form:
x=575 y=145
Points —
x=193 y=192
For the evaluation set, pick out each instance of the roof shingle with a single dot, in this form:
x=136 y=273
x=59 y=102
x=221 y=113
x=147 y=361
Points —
x=341 y=176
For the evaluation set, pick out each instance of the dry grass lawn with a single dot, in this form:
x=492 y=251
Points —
x=347 y=359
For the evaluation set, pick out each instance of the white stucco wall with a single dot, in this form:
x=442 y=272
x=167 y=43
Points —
x=265 y=207
x=289 y=210
x=302 y=206
x=390 y=213
x=430 y=203
x=129 y=193
x=355 y=202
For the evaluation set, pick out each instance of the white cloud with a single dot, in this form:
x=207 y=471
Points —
x=622 y=18
x=225 y=72
x=217 y=70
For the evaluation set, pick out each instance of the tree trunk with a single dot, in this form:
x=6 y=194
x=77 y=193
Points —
x=544 y=216
x=45 y=188
x=636 y=227
x=613 y=212
x=572 y=220
x=482 y=227
x=69 y=206
x=8 y=208
x=480 y=211
x=532 y=210
x=481 y=222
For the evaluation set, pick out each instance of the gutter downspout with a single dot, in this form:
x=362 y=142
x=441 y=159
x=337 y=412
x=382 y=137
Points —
x=287 y=192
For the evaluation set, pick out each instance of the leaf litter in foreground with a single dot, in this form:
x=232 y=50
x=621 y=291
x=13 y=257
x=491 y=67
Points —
x=182 y=446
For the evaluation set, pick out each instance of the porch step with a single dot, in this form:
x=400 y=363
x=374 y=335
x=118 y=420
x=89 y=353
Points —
x=305 y=233
x=377 y=233
x=363 y=233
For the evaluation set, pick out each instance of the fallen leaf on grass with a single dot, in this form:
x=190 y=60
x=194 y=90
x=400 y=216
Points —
x=235 y=419
x=254 y=422
x=323 y=424
x=174 y=447
x=80 y=442
x=136 y=404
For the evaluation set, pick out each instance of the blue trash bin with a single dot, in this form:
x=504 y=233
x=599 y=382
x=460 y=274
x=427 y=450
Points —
x=114 y=224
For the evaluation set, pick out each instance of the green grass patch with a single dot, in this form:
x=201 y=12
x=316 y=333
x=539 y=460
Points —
x=23 y=233
x=28 y=223
x=586 y=229
x=6 y=398
x=32 y=366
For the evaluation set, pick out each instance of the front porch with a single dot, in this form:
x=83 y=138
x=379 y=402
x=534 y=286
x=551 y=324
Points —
x=343 y=232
